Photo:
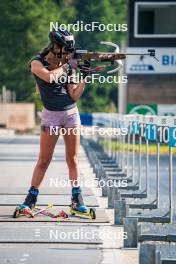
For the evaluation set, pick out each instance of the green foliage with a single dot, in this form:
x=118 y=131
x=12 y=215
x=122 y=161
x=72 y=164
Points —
x=100 y=97
x=24 y=26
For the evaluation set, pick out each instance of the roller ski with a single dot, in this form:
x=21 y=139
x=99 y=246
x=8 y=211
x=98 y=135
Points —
x=78 y=207
x=45 y=212
x=26 y=209
x=23 y=210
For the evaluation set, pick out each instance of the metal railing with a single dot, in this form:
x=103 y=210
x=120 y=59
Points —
x=140 y=205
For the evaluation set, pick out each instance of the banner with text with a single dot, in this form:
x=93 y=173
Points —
x=140 y=64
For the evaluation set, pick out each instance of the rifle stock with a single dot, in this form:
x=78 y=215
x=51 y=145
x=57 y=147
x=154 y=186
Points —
x=55 y=62
x=83 y=55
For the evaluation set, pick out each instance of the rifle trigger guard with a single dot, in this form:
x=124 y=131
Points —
x=119 y=62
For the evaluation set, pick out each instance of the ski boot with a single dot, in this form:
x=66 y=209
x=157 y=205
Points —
x=28 y=205
x=77 y=205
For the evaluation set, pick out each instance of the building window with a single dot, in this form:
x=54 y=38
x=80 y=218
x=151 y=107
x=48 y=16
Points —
x=155 y=20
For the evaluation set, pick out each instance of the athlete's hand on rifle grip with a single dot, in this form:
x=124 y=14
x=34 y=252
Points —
x=73 y=63
x=85 y=69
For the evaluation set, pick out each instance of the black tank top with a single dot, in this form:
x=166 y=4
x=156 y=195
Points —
x=54 y=96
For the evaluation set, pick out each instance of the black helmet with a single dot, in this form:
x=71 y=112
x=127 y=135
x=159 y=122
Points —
x=63 y=38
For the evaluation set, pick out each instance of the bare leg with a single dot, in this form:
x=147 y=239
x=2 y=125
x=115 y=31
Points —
x=72 y=143
x=47 y=145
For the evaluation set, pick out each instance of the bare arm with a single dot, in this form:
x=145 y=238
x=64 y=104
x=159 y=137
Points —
x=76 y=90
x=38 y=69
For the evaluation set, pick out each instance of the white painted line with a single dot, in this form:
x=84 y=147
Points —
x=37 y=232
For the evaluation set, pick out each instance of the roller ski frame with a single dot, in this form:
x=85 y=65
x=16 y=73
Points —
x=26 y=211
x=35 y=211
x=91 y=214
x=45 y=212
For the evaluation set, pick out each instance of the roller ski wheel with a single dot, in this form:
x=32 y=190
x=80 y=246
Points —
x=23 y=210
x=62 y=214
x=91 y=214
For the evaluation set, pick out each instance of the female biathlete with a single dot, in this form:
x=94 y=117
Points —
x=59 y=110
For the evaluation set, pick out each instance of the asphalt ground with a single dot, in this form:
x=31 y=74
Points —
x=42 y=239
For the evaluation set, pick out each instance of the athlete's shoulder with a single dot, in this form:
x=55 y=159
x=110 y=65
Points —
x=37 y=57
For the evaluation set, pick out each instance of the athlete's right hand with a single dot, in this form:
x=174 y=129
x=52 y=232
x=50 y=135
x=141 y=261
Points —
x=85 y=69
x=73 y=63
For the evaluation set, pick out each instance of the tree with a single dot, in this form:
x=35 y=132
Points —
x=24 y=27
x=98 y=97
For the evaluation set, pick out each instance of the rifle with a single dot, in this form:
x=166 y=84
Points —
x=84 y=55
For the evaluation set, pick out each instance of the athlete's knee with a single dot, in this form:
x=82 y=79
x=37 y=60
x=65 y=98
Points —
x=43 y=163
x=72 y=161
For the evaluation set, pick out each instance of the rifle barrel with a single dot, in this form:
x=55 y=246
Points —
x=138 y=54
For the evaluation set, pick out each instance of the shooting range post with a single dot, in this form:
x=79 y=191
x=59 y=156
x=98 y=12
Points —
x=151 y=84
